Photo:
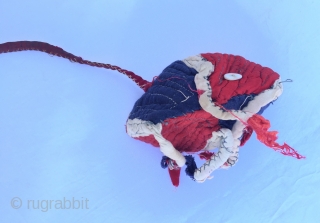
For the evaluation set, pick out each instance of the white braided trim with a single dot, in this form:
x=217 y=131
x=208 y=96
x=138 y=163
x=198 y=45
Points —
x=227 y=149
x=137 y=127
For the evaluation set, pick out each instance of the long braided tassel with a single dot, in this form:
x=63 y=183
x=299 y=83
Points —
x=57 y=51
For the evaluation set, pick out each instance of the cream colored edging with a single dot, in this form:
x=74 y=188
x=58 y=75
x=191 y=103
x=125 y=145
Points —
x=137 y=127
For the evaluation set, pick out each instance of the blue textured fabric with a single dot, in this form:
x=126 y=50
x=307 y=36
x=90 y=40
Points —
x=238 y=102
x=169 y=96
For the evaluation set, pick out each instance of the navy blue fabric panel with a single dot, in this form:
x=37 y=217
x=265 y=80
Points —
x=236 y=103
x=169 y=96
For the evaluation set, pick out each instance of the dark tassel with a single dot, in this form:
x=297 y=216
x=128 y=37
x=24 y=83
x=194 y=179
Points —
x=191 y=166
x=164 y=162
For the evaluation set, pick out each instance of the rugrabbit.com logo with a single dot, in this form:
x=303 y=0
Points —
x=46 y=205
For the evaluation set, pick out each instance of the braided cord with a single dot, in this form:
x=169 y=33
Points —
x=57 y=51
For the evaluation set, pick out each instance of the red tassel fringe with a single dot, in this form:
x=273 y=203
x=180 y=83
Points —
x=261 y=125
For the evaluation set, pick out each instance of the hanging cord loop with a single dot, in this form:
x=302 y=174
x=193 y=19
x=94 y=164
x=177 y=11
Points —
x=57 y=51
x=287 y=80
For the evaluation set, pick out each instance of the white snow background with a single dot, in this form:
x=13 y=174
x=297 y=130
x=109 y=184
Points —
x=62 y=124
